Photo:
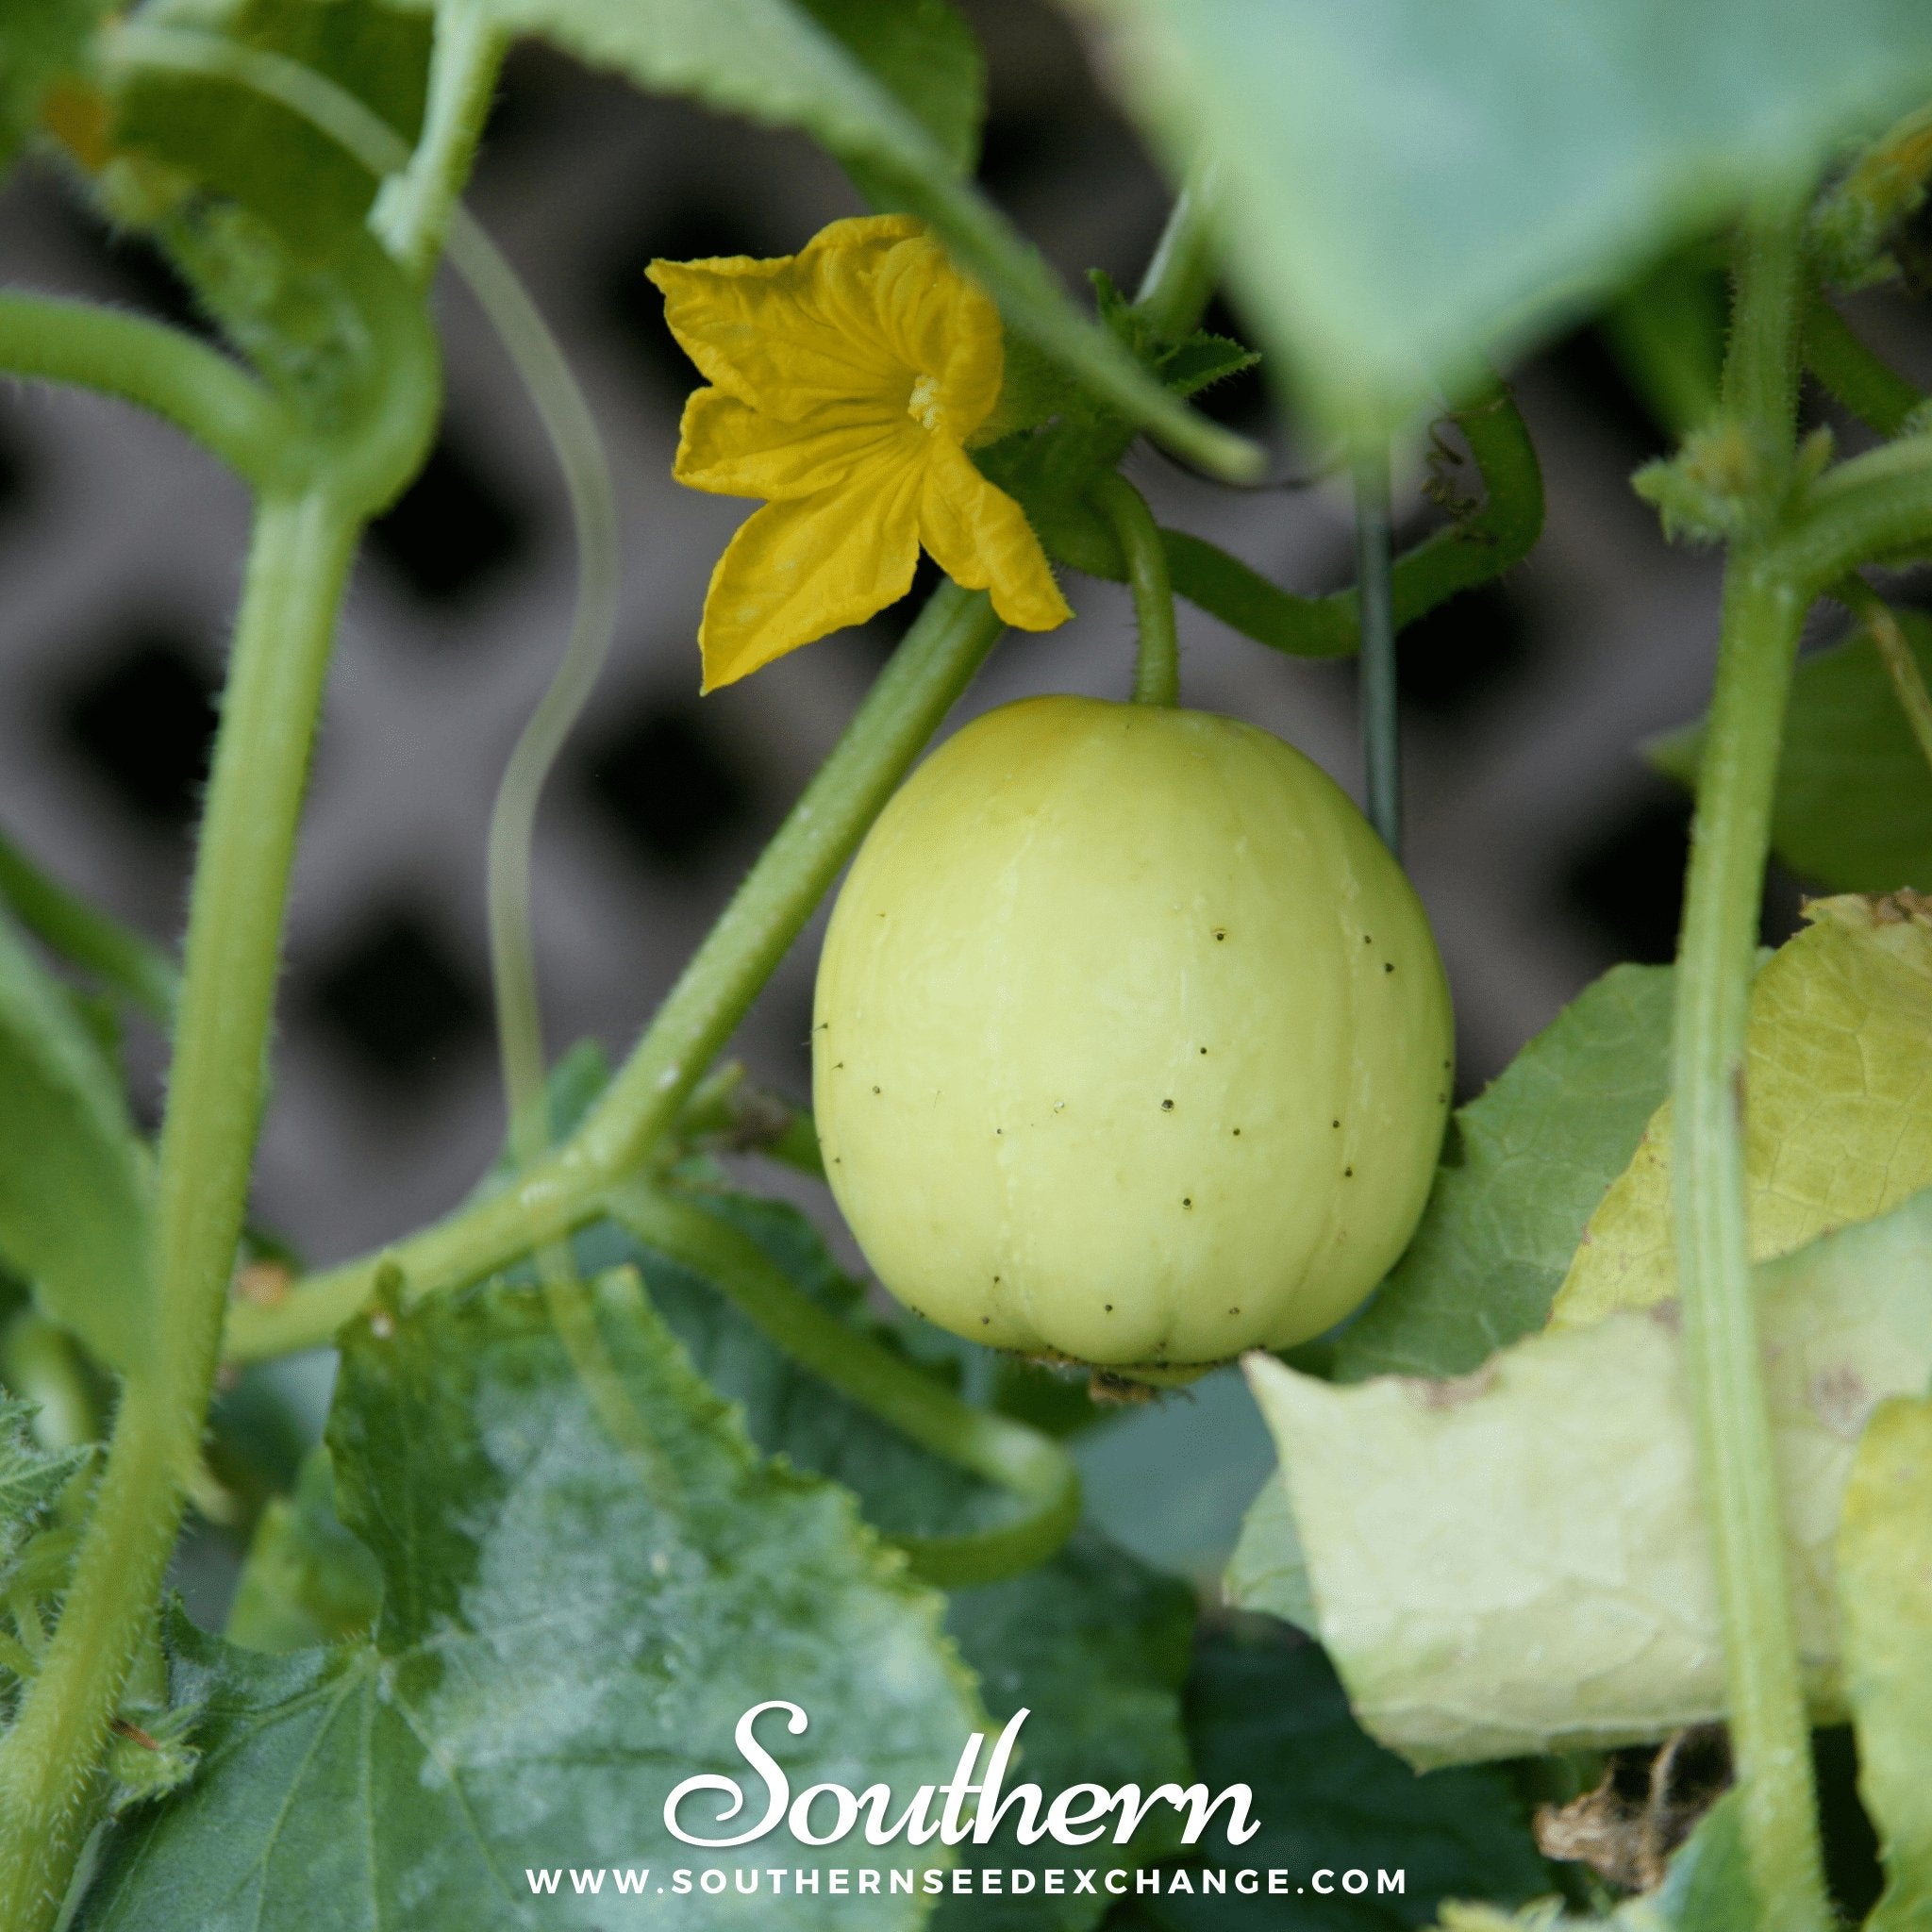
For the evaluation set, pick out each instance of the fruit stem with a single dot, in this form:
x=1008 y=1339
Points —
x=1157 y=670
x=1029 y=1465
x=1763 y=611
x=1375 y=580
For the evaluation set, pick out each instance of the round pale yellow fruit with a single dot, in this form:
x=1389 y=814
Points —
x=1131 y=1042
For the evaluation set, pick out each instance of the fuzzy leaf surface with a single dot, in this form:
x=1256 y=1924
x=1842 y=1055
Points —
x=568 y=1628
x=1094 y=1642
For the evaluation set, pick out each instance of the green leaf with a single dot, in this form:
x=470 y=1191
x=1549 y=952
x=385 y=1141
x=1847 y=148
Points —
x=263 y=215
x=1525 y=1166
x=787 y=1411
x=568 y=1629
x=1518 y=1561
x=1707 y=1887
x=1264 y=1709
x=1413 y=187
x=1092 y=1641
x=1096 y=1646
x=924 y=53
x=30 y=1478
x=1884 y=1598
x=73 y=1179
x=1269 y=1571
x=307 y=1581
x=1840 y=1127
x=40 y=41
x=772 y=62
x=254 y=150
x=1854 y=808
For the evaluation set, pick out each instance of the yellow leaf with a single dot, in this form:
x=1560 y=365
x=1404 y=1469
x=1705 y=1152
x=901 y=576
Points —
x=1838 y=1105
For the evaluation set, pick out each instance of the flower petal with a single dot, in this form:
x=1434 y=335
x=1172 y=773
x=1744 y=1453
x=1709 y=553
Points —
x=801 y=568
x=981 y=538
x=731 y=449
x=790 y=334
x=941 y=324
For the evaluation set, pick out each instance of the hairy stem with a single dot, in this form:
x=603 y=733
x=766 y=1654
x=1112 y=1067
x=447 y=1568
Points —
x=1180 y=272
x=1157 y=667
x=1877 y=507
x=297 y=563
x=1763 y=613
x=197 y=389
x=1030 y=1466
x=411 y=213
x=935 y=663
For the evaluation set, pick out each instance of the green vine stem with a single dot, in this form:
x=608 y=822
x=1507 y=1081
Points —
x=1375 y=600
x=1157 y=665
x=1480 y=544
x=1179 y=281
x=1875 y=508
x=124 y=961
x=1762 y=614
x=1857 y=377
x=197 y=389
x=413 y=209
x=298 y=560
x=932 y=666
x=1895 y=653
x=1028 y=1464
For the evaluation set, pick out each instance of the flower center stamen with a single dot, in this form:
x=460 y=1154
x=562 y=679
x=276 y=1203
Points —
x=924 y=405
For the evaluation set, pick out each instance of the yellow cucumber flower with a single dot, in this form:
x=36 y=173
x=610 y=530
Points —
x=846 y=381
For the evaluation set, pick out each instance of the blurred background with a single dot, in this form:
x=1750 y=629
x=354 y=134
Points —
x=1544 y=847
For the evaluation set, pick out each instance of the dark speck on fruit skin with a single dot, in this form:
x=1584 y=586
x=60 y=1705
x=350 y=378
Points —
x=1167 y=1106
x=1220 y=933
x=874 y=1089
x=1187 y=1200
x=1388 y=966
x=1348 y=1173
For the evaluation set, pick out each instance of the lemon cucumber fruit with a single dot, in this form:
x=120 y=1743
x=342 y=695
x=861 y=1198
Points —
x=1131 y=1043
